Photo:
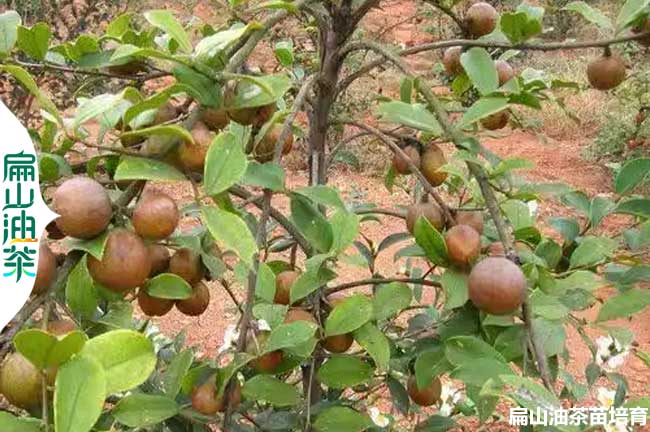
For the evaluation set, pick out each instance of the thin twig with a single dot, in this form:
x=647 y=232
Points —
x=77 y=71
x=380 y=281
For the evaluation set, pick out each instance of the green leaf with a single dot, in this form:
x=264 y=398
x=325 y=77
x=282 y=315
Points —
x=483 y=108
x=249 y=94
x=415 y=116
x=206 y=91
x=341 y=419
x=290 y=335
x=80 y=293
x=127 y=357
x=137 y=168
x=284 y=52
x=519 y=27
x=34 y=41
x=591 y=14
x=353 y=312
x=51 y=167
x=306 y=284
x=461 y=350
x=10 y=423
x=481 y=70
x=28 y=82
x=9 y=22
x=321 y=194
x=230 y=230
x=578 y=200
x=436 y=423
x=311 y=223
x=94 y=247
x=455 y=285
x=269 y=176
x=430 y=364
x=636 y=207
x=265 y=284
x=66 y=347
x=592 y=250
x=168 y=286
x=35 y=345
x=347 y=229
x=389 y=299
x=79 y=395
x=139 y=410
x=567 y=227
x=600 y=208
x=630 y=11
x=624 y=305
x=518 y=214
x=164 y=20
x=175 y=131
x=551 y=335
x=211 y=49
x=265 y=388
x=490 y=368
x=431 y=241
x=172 y=380
x=225 y=164
x=273 y=314
x=631 y=175
x=342 y=371
x=375 y=343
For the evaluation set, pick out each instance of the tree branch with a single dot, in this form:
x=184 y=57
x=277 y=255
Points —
x=379 y=281
x=77 y=71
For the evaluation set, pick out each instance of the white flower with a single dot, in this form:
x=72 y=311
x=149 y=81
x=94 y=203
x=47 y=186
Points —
x=449 y=398
x=616 y=428
x=229 y=338
x=610 y=353
x=378 y=418
x=605 y=396
x=263 y=325
x=533 y=207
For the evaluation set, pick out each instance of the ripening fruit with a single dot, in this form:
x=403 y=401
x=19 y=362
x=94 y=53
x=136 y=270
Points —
x=159 y=258
x=481 y=19
x=429 y=210
x=496 y=121
x=153 y=306
x=187 y=264
x=426 y=396
x=265 y=149
x=338 y=344
x=431 y=161
x=473 y=218
x=268 y=362
x=607 y=72
x=83 y=206
x=125 y=264
x=451 y=61
x=46 y=272
x=215 y=119
x=463 y=245
x=283 y=283
x=252 y=116
x=504 y=71
x=61 y=327
x=155 y=216
x=192 y=154
x=497 y=286
x=206 y=400
x=166 y=113
x=297 y=314
x=20 y=382
x=401 y=166
x=197 y=303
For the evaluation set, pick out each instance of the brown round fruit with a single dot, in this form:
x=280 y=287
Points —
x=206 y=400
x=338 y=344
x=504 y=71
x=268 y=362
x=430 y=211
x=187 y=264
x=265 y=149
x=451 y=61
x=20 y=382
x=46 y=272
x=83 y=206
x=159 y=258
x=192 y=154
x=473 y=218
x=283 y=283
x=607 y=72
x=125 y=264
x=155 y=216
x=166 y=113
x=297 y=314
x=254 y=116
x=401 y=165
x=481 y=19
x=197 y=303
x=215 y=119
x=497 y=286
x=153 y=306
x=431 y=161
x=61 y=327
x=496 y=249
x=496 y=121
x=463 y=245
x=426 y=396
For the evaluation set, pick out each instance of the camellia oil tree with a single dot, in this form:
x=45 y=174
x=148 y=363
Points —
x=302 y=358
